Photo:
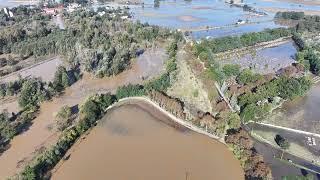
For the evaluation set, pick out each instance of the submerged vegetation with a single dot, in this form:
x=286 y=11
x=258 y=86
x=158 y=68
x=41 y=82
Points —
x=256 y=103
x=101 y=44
x=104 y=45
x=90 y=112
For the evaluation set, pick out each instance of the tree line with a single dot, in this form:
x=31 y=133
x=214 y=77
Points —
x=100 y=44
x=90 y=111
x=227 y=43
x=31 y=92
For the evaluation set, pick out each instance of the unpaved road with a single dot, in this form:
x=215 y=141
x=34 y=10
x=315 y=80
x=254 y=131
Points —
x=39 y=135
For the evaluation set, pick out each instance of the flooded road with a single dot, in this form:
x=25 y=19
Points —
x=42 y=132
x=133 y=141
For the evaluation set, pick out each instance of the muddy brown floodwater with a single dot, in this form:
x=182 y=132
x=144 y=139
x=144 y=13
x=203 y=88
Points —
x=42 y=132
x=134 y=141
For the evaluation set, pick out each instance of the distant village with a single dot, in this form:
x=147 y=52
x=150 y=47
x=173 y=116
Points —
x=55 y=10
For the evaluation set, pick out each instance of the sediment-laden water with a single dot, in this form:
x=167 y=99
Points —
x=135 y=141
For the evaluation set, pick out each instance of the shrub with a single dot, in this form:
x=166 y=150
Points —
x=231 y=70
x=130 y=90
x=63 y=118
x=282 y=142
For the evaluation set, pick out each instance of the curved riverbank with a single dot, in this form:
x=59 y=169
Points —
x=136 y=133
x=179 y=121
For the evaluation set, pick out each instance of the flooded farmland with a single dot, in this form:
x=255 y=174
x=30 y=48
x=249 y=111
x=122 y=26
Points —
x=133 y=141
x=302 y=113
x=43 y=133
x=266 y=60
x=45 y=70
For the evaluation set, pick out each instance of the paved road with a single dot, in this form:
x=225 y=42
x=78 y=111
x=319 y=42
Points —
x=298 y=138
x=279 y=168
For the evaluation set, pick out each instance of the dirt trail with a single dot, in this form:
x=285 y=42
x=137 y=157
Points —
x=23 y=146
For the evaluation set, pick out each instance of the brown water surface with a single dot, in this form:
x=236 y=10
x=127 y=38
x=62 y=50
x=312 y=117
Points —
x=133 y=142
x=40 y=134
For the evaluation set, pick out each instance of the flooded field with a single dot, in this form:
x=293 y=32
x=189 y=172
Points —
x=302 y=113
x=307 y=5
x=43 y=133
x=199 y=13
x=235 y=30
x=45 y=70
x=133 y=141
x=12 y=3
x=266 y=60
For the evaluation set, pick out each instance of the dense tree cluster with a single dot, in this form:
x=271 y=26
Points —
x=11 y=125
x=251 y=161
x=11 y=88
x=312 y=59
x=19 y=14
x=63 y=118
x=63 y=79
x=27 y=25
x=129 y=91
x=282 y=142
x=308 y=55
x=304 y=22
x=290 y=15
x=101 y=44
x=231 y=70
x=7 y=130
x=33 y=92
x=211 y=124
x=309 y=23
x=173 y=105
x=163 y=82
x=256 y=103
